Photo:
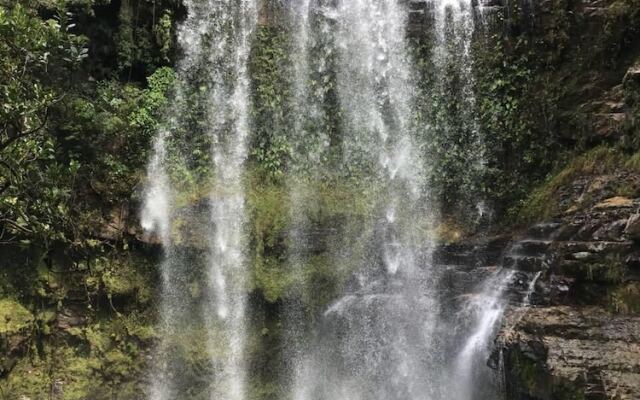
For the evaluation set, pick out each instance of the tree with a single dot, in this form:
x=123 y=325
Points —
x=32 y=52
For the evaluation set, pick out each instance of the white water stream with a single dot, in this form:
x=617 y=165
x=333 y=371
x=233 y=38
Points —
x=389 y=336
x=216 y=40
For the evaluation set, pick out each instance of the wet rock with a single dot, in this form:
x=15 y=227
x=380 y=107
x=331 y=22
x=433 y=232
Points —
x=582 y=352
x=610 y=231
x=570 y=344
x=70 y=317
x=632 y=227
x=631 y=84
x=545 y=230
x=525 y=263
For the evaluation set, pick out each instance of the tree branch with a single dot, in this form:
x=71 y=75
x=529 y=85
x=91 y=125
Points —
x=20 y=135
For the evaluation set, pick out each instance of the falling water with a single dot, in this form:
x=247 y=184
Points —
x=456 y=146
x=375 y=342
x=228 y=267
x=388 y=335
x=484 y=310
x=210 y=110
x=531 y=289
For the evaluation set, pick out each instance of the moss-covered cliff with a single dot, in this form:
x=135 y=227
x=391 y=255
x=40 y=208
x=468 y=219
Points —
x=84 y=86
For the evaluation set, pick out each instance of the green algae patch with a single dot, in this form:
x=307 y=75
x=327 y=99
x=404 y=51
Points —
x=14 y=317
x=330 y=211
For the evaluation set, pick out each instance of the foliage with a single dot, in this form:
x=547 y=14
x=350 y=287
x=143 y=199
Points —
x=164 y=35
x=270 y=72
x=145 y=38
x=447 y=122
x=72 y=149
x=77 y=118
x=111 y=132
x=517 y=129
x=620 y=31
x=13 y=317
x=31 y=199
x=100 y=352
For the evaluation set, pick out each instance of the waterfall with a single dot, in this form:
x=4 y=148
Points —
x=388 y=336
x=389 y=333
x=375 y=342
x=203 y=145
x=455 y=138
x=531 y=288
x=484 y=310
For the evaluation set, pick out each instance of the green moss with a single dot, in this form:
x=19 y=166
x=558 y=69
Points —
x=325 y=203
x=543 y=202
x=29 y=378
x=350 y=199
x=14 y=317
x=139 y=326
x=526 y=371
x=127 y=276
x=323 y=279
x=625 y=298
x=51 y=284
x=272 y=278
x=633 y=163
x=266 y=391
x=269 y=209
x=70 y=374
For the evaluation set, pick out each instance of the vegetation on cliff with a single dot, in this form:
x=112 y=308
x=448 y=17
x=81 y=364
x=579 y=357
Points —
x=83 y=88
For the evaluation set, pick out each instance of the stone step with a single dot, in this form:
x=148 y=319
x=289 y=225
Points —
x=544 y=230
x=531 y=247
x=524 y=263
x=600 y=248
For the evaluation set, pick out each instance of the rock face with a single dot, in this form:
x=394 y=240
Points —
x=580 y=339
x=567 y=352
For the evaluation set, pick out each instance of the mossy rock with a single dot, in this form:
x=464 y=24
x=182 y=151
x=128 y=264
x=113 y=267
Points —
x=14 y=317
x=555 y=196
x=16 y=323
x=64 y=372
